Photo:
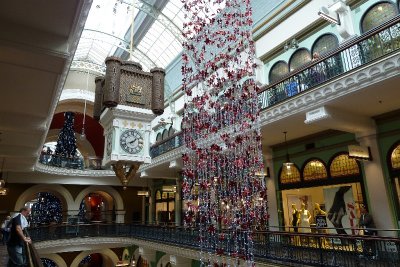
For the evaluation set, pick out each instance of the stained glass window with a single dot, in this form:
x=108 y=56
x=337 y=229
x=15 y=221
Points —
x=314 y=170
x=278 y=70
x=325 y=43
x=158 y=138
x=395 y=158
x=171 y=131
x=342 y=165
x=165 y=134
x=289 y=176
x=377 y=15
x=299 y=58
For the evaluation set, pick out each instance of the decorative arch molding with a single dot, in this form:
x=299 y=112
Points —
x=56 y=258
x=105 y=252
x=119 y=204
x=163 y=261
x=59 y=190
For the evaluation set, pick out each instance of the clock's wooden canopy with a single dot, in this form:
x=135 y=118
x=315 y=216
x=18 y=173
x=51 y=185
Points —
x=127 y=84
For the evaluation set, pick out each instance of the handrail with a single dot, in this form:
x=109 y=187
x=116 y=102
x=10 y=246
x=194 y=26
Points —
x=327 y=55
x=32 y=255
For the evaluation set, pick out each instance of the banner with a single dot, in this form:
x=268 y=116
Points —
x=340 y=207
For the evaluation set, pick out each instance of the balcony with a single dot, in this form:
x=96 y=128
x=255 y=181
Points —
x=315 y=249
x=361 y=51
x=166 y=145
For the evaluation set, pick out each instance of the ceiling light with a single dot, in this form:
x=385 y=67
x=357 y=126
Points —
x=143 y=193
x=288 y=164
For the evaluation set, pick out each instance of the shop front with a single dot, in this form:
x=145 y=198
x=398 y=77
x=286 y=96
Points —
x=322 y=195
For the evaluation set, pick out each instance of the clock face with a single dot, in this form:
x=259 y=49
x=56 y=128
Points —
x=109 y=143
x=131 y=141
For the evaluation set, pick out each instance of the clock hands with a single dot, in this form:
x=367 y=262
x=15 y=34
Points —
x=133 y=141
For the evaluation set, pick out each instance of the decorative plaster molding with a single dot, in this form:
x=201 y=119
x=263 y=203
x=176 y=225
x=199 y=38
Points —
x=72 y=172
x=81 y=94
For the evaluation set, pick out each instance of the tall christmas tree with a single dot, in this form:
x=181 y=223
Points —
x=47 y=209
x=66 y=143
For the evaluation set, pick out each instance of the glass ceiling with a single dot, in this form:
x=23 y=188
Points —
x=108 y=26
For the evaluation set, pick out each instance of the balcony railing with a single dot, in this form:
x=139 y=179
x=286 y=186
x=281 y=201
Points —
x=368 y=47
x=166 y=145
x=317 y=249
x=80 y=163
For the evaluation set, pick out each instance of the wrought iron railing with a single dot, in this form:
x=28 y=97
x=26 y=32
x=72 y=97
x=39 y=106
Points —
x=362 y=50
x=166 y=145
x=312 y=249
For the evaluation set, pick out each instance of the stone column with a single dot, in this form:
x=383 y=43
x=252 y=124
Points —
x=375 y=182
x=178 y=201
x=120 y=216
x=143 y=220
x=152 y=204
x=271 y=191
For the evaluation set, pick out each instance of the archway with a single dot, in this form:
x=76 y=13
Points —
x=56 y=258
x=107 y=254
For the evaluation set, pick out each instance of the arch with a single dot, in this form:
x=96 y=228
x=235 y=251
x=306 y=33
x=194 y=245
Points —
x=58 y=190
x=343 y=166
x=289 y=177
x=314 y=169
x=104 y=252
x=277 y=71
x=300 y=57
x=394 y=157
x=56 y=258
x=119 y=204
x=377 y=14
x=325 y=43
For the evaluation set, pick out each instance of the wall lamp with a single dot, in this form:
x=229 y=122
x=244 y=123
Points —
x=329 y=16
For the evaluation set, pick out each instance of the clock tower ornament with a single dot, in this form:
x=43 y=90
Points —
x=127 y=99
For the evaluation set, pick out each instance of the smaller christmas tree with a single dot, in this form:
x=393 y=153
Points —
x=66 y=143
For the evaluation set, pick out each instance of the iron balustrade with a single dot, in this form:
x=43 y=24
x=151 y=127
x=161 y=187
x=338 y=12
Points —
x=312 y=249
x=373 y=45
x=166 y=145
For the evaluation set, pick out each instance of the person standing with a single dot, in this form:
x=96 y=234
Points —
x=16 y=243
x=5 y=229
x=366 y=221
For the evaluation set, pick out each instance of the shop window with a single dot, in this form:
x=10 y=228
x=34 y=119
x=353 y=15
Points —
x=299 y=58
x=289 y=176
x=395 y=158
x=314 y=170
x=278 y=70
x=342 y=165
x=325 y=43
x=377 y=15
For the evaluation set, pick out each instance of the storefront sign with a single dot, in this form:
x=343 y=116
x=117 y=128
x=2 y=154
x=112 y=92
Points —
x=320 y=221
x=359 y=152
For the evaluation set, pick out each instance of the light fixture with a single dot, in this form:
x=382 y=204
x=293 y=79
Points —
x=287 y=164
x=291 y=44
x=83 y=135
x=2 y=181
x=329 y=16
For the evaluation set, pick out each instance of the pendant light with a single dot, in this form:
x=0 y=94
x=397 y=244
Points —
x=288 y=164
x=83 y=135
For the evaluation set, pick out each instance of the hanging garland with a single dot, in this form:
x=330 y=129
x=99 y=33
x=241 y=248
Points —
x=221 y=131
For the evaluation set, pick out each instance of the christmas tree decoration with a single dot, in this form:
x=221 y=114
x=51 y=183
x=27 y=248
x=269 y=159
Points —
x=48 y=263
x=66 y=143
x=47 y=209
x=221 y=131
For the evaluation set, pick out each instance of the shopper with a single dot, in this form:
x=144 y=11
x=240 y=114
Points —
x=16 y=243
x=5 y=229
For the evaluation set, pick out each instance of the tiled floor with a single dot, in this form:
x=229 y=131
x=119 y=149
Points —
x=3 y=255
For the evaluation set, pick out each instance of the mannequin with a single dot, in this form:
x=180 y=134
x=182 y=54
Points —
x=318 y=210
x=295 y=218
x=304 y=219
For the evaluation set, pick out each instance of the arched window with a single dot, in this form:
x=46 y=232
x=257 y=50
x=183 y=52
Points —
x=299 y=58
x=342 y=166
x=289 y=176
x=158 y=138
x=325 y=43
x=278 y=70
x=314 y=170
x=164 y=134
x=378 y=14
x=171 y=131
x=395 y=158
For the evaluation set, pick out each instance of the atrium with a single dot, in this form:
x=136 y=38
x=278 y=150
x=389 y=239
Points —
x=110 y=115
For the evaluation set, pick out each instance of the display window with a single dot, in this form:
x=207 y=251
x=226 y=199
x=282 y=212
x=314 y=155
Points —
x=320 y=195
x=394 y=166
x=165 y=207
